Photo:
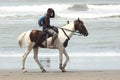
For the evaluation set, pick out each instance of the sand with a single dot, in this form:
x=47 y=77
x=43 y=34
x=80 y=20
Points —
x=57 y=75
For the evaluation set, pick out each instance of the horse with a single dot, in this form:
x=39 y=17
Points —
x=65 y=33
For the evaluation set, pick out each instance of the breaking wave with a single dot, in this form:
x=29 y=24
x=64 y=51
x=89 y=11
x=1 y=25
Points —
x=63 y=11
x=77 y=7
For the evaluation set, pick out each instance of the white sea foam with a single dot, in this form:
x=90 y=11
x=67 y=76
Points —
x=63 y=10
x=104 y=7
x=81 y=54
x=33 y=8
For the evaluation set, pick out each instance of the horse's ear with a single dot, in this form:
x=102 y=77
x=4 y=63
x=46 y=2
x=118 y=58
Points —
x=78 y=19
x=68 y=22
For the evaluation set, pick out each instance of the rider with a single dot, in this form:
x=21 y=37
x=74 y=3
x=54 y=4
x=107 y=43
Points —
x=44 y=21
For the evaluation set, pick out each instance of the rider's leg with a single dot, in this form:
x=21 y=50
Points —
x=53 y=34
x=54 y=37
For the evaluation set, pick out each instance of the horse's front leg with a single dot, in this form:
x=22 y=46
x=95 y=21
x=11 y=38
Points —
x=66 y=61
x=60 y=58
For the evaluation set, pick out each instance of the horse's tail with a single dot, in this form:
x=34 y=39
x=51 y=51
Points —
x=20 y=38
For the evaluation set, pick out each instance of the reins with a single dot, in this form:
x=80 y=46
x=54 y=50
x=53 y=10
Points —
x=65 y=33
x=70 y=31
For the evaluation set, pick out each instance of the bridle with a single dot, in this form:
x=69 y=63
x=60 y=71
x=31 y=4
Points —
x=63 y=29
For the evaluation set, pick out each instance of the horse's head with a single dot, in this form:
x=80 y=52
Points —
x=79 y=26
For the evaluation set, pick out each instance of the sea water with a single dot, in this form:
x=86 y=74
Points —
x=99 y=50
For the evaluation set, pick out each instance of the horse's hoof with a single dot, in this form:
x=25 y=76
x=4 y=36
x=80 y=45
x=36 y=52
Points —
x=63 y=70
x=60 y=67
x=24 y=71
x=43 y=70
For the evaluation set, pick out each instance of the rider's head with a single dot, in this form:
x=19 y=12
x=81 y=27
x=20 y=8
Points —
x=51 y=13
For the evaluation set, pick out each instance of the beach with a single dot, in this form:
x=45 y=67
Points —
x=77 y=68
x=95 y=57
x=56 y=75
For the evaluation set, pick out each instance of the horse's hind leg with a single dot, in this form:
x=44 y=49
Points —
x=36 y=59
x=27 y=51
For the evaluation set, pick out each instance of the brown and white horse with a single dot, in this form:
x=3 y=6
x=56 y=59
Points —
x=65 y=33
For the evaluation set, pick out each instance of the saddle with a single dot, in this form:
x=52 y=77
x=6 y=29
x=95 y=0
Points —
x=44 y=35
x=55 y=29
x=48 y=34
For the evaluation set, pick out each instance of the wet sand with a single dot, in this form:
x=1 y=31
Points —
x=57 y=75
x=10 y=69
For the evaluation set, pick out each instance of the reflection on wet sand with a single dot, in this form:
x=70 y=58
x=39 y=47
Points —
x=45 y=61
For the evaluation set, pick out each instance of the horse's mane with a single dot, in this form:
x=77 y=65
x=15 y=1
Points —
x=69 y=26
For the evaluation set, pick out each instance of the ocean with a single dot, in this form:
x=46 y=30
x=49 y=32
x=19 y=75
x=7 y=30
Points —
x=99 y=50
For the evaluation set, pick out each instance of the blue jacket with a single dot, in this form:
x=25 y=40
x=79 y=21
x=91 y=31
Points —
x=44 y=21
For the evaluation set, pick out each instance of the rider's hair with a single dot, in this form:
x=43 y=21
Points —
x=50 y=10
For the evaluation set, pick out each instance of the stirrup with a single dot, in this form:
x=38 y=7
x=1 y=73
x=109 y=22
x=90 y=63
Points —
x=51 y=46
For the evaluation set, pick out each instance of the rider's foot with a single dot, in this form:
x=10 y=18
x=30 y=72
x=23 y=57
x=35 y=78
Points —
x=51 y=46
x=36 y=45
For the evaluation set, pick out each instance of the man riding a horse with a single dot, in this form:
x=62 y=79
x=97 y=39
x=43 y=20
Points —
x=65 y=33
x=48 y=30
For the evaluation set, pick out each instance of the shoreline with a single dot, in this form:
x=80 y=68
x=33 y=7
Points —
x=52 y=63
x=58 y=75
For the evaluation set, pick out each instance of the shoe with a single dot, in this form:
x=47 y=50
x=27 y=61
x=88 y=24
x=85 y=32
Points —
x=51 y=47
x=36 y=45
